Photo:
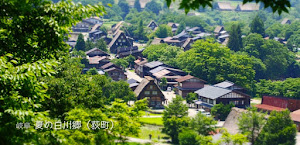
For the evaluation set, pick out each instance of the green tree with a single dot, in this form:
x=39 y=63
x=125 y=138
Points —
x=279 y=129
x=251 y=122
x=163 y=83
x=236 y=139
x=181 y=27
x=139 y=33
x=257 y=26
x=31 y=37
x=92 y=71
x=153 y=6
x=190 y=98
x=80 y=43
x=163 y=52
x=221 y=111
x=137 y=5
x=124 y=7
x=212 y=62
x=293 y=42
x=130 y=59
x=175 y=118
x=101 y=44
x=188 y=137
x=89 y=45
x=121 y=62
x=235 y=39
x=163 y=31
x=203 y=124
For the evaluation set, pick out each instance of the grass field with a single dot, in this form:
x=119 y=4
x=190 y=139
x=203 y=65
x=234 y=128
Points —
x=154 y=130
x=109 y=23
x=150 y=114
x=152 y=121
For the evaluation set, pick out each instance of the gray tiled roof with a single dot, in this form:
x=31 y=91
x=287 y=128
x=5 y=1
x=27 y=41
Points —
x=131 y=81
x=212 y=92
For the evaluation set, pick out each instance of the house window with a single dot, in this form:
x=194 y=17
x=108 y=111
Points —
x=242 y=102
x=119 y=40
x=152 y=102
x=122 y=37
x=211 y=101
x=147 y=92
x=151 y=87
x=116 y=43
x=123 y=40
x=154 y=92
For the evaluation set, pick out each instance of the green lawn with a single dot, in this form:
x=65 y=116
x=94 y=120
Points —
x=109 y=23
x=150 y=114
x=152 y=121
x=154 y=130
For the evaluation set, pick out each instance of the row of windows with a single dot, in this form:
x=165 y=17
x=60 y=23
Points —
x=148 y=92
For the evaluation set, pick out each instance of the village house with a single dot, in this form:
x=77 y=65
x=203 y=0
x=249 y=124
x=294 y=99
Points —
x=188 y=84
x=249 y=7
x=142 y=3
x=152 y=25
x=86 y=25
x=116 y=74
x=187 y=45
x=133 y=84
x=218 y=30
x=173 y=26
x=151 y=65
x=95 y=61
x=223 y=6
x=270 y=103
x=195 y=30
x=120 y=40
x=96 y=52
x=286 y=21
x=150 y=90
x=177 y=40
x=230 y=86
x=156 y=41
x=109 y=65
x=212 y=95
x=139 y=66
x=126 y=51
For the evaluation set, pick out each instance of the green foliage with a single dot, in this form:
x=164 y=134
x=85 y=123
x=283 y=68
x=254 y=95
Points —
x=236 y=139
x=181 y=27
x=89 y=45
x=137 y=5
x=124 y=7
x=123 y=63
x=163 y=31
x=153 y=6
x=80 y=43
x=163 y=82
x=188 y=137
x=257 y=26
x=276 y=5
x=203 y=124
x=251 y=122
x=190 y=98
x=274 y=55
x=279 y=129
x=40 y=30
x=212 y=62
x=92 y=71
x=293 y=42
x=235 y=39
x=288 y=88
x=101 y=44
x=139 y=33
x=175 y=118
x=163 y=52
x=221 y=111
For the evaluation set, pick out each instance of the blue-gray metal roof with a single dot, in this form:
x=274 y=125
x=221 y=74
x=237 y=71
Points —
x=224 y=84
x=212 y=92
x=131 y=81
x=153 y=64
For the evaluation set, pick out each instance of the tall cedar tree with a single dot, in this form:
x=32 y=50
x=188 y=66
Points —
x=80 y=44
x=257 y=26
x=137 y=5
x=140 y=31
x=101 y=44
x=181 y=27
x=124 y=7
x=235 y=39
x=153 y=6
